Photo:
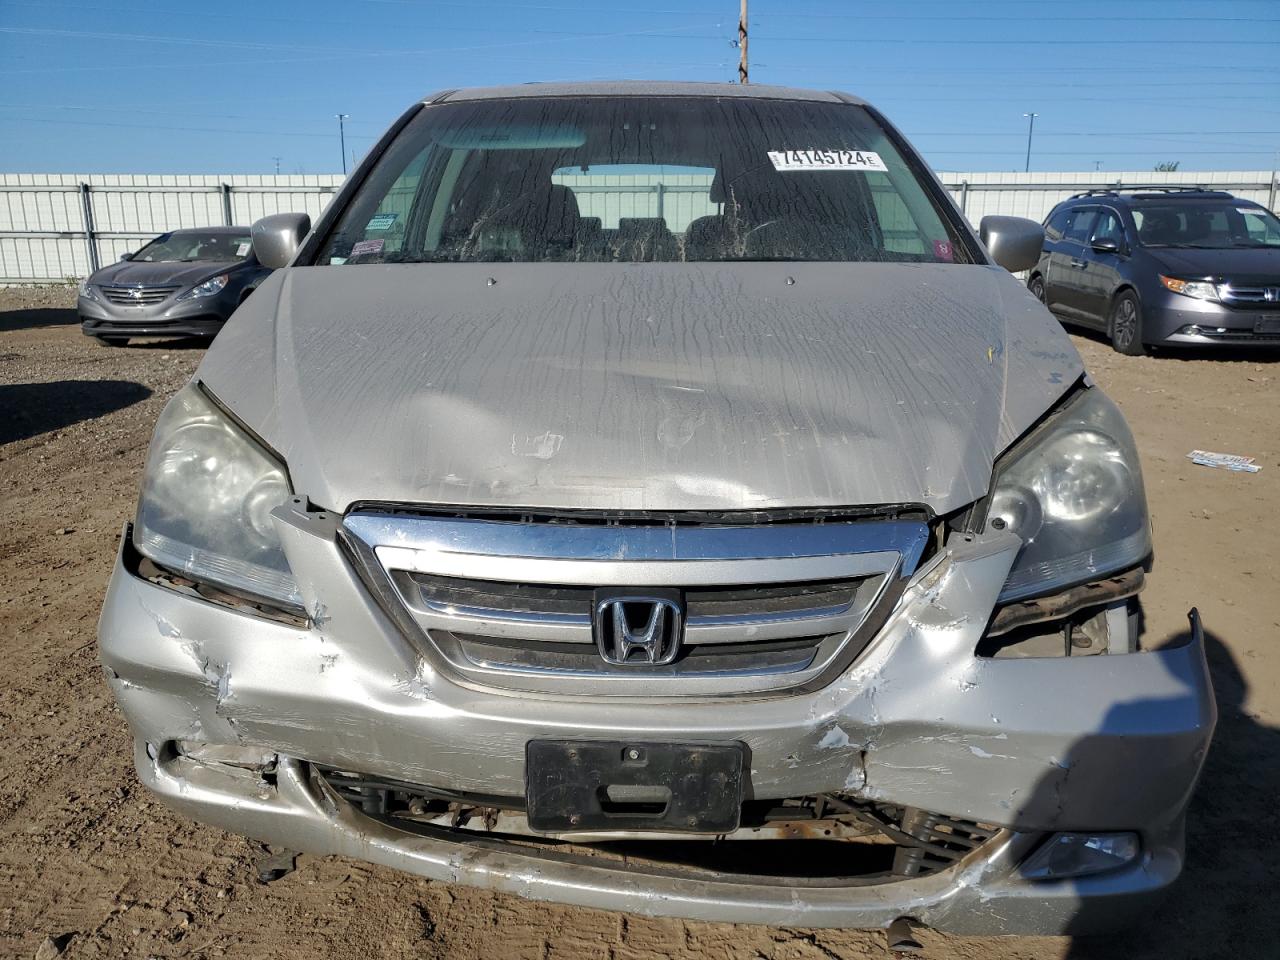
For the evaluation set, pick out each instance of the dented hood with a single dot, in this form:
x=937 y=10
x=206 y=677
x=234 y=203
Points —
x=641 y=386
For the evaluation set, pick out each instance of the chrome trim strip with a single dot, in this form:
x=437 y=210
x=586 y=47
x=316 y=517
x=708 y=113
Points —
x=459 y=611
x=608 y=555
x=636 y=573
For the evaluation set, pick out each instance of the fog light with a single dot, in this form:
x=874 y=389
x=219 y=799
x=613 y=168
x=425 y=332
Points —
x=1193 y=329
x=1081 y=854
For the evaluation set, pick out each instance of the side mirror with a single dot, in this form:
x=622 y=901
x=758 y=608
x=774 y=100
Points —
x=1105 y=245
x=276 y=238
x=1013 y=242
x=125 y=256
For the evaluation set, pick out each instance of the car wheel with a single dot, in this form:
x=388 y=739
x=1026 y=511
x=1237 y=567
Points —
x=1036 y=286
x=1126 y=325
x=112 y=341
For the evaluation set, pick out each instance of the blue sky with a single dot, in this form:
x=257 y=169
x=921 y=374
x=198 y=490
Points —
x=228 y=86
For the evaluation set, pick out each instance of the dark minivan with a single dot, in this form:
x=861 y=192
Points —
x=1163 y=266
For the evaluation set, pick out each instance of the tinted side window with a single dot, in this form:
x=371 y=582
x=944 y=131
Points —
x=1057 y=224
x=1259 y=226
x=1080 y=224
x=1108 y=227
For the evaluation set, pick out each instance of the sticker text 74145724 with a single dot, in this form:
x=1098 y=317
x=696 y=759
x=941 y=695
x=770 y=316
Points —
x=788 y=160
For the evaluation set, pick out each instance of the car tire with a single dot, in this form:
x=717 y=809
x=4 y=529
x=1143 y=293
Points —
x=112 y=341
x=1125 y=325
x=1036 y=286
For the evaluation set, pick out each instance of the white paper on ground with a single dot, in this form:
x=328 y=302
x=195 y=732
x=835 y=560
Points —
x=1224 y=461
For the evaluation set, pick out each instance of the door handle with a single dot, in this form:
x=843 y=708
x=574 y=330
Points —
x=1077 y=262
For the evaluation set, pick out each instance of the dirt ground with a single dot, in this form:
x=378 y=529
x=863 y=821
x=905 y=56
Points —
x=88 y=858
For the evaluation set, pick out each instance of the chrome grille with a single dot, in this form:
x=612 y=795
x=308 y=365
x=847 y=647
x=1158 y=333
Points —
x=510 y=603
x=1249 y=295
x=566 y=609
x=137 y=296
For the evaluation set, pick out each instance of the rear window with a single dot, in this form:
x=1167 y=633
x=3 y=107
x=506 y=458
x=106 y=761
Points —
x=643 y=179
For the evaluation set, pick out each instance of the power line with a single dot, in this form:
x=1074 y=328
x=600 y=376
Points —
x=1030 y=42
x=176 y=129
x=648 y=11
x=664 y=32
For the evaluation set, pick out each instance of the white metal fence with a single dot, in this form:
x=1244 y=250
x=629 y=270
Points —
x=54 y=227
x=1035 y=194
x=59 y=226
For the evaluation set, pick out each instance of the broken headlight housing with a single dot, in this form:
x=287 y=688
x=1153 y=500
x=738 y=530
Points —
x=206 y=503
x=1072 y=490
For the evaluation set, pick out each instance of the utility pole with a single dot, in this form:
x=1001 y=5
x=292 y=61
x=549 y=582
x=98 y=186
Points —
x=742 y=45
x=342 y=138
x=277 y=160
x=1030 y=128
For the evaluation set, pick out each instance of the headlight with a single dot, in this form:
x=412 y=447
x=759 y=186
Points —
x=207 y=289
x=1073 y=492
x=1199 y=289
x=86 y=291
x=206 y=502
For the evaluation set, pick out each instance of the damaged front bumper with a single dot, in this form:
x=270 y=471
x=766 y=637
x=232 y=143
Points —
x=1036 y=746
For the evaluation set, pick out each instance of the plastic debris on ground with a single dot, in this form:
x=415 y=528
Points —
x=1224 y=461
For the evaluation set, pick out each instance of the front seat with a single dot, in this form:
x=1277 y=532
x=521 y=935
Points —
x=548 y=222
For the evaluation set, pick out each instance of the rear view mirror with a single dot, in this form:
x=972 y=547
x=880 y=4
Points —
x=1013 y=242
x=1105 y=245
x=276 y=238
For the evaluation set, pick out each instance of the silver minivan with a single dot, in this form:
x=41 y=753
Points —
x=655 y=497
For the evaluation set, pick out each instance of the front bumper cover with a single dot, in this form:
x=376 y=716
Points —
x=1087 y=744
x=202 y=317
x=1172 y=319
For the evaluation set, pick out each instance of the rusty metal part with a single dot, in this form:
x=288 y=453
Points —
x=275 y=863
x=902 y=940
x=1064 y=604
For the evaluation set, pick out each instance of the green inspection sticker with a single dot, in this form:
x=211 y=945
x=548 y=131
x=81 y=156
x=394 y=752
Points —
x=382 y=221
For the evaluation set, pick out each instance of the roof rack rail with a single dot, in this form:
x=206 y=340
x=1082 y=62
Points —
x=1146 y=188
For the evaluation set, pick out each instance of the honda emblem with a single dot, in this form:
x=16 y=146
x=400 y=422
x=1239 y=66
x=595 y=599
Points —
x=638 y=630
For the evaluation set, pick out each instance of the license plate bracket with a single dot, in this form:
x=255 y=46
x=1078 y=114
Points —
x=577 y=786
x=1267 y=324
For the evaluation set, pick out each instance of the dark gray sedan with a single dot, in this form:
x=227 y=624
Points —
x=183 y=283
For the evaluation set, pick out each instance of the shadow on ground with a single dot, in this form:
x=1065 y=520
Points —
x=177 y=343
x=1262 y=353
x=30 y=409
x=34 y=317
x=1232 y=870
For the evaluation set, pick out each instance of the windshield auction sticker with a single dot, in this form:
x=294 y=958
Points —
x=786 y=161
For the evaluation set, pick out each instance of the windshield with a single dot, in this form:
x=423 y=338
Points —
x=187 y=246
x=1205 y=225
x=642 y=179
